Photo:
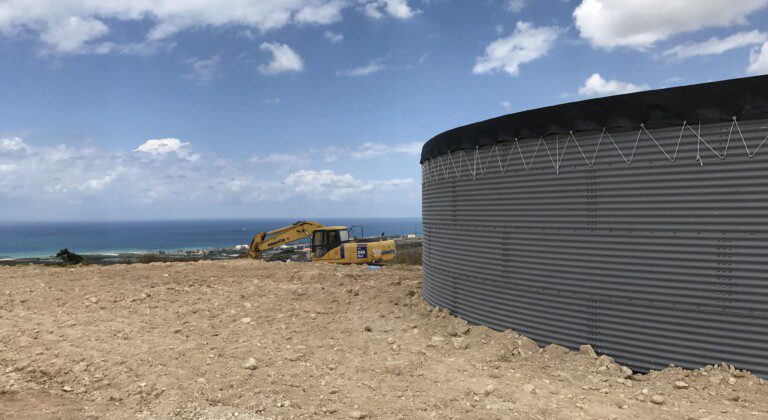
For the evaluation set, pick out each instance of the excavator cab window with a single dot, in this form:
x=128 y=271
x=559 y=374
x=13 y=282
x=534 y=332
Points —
x=326 y=240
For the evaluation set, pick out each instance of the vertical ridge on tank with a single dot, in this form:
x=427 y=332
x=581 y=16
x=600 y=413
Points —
x=644 y=233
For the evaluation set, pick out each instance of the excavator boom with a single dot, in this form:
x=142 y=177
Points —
x=330 y=244
x=268 y=240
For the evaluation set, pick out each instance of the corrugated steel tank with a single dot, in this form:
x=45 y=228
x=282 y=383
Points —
x=650 y=245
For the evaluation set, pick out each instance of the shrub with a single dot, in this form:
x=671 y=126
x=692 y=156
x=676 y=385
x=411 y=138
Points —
x=408 y=253
x=69 y=257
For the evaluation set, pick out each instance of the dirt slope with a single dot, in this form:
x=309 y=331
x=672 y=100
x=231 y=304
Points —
x=292 y=340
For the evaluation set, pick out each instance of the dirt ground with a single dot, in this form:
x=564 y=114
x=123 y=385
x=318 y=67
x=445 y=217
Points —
x=300 y=340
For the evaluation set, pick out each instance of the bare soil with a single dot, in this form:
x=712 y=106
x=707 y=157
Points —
x=299 y=340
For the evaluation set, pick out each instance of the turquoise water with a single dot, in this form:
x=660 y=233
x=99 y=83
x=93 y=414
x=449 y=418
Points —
x=39 y=239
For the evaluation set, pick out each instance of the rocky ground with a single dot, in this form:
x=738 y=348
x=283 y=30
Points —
x=300 y=340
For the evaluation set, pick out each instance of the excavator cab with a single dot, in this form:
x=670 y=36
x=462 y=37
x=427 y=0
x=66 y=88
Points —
x=330 y=244
x=327 y=239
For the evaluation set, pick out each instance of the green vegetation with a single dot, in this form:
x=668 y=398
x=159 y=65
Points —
x=69 y=257
x=408 y=253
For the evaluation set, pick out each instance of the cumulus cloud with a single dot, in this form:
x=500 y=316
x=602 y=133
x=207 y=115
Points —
x=717 y=45
x=336 y=187
x=640 y=24
x=203 y=71
x=758 y=60
x=12 y=144
x=515 y=6
x=595 y=85
x=369 y=150
x=76 y=26
x=159 y=147
x=323 y=13
x=333 y=37
x=99 y=183
x=284 y=59
x=281 y=159
x=154 y=177
x=70 y=34
x=526 y=44
x=377 y=9
x=374 y=66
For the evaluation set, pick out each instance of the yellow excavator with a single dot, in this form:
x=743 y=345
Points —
x=330 y=244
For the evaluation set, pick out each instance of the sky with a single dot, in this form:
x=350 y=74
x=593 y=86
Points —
x=176 y=109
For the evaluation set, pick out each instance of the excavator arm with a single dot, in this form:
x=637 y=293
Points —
x=268 y=240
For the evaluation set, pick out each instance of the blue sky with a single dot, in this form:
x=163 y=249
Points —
x=309 y=108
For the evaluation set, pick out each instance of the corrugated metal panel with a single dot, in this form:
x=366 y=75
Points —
x=655 y=257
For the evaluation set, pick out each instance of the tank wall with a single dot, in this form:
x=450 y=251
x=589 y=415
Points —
x=653 y=257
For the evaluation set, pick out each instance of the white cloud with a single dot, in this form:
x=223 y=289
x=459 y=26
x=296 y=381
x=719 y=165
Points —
x=70 y=34
x=281 y=159
x=377 y=9
x=80 y=26
x=323 y=13
x=71 y=180
x=515 y=6
x=203 y=71
x=370 y=150
x=327 y=184
x=159 y=147
x=368 y=69
x=12 y=144
x=758 y=60
x=284 y=59
x=526 y=44
x=716 y=45
x=333 y=37
x=640 y=24
x=595 y=85
x=99 y=183
x=506 y=105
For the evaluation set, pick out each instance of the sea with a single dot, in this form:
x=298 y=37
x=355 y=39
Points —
x=41 y=239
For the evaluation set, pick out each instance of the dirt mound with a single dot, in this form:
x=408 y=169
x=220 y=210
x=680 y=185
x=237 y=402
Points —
x=290 y=340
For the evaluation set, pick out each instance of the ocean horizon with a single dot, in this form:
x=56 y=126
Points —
x=40 y=239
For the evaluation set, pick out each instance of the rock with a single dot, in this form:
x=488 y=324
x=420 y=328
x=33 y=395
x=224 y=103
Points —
x=250 y=364
x=66 y=389
x=460 y=344
x=715 y=380
x=367 y=328
x=390 y=340
x=394 y=368
x=489 y=390
x=587 y=350
x=358 y=415
x=527 y=346
x=732 y=381
x=436 y=340
x=293 y=357
x=626 y=372
x=245 y=320
x=604 y=361
x=657 y=399
x=556 y=349
x=681 y=385
x=529 y=388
